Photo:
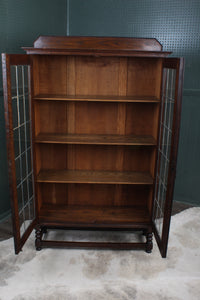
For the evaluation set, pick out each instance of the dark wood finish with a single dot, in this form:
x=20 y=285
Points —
x=178 y=64
x=93 y=245
x=38 y=237
x=149 y=243
x=95 y=195
x=144 y=77
x=110 y=46
x=43 y=243
x=97 y=118
x=7 y=61
x=114 y=81
x=100 y=177
x=100 y=139
x=97 y=98
x=95 y=109
x=95 y=217
x=94 y=157
x=10 y=148
x=18 y=59
x=96 y=53
x=100 y=43
x=31 y=80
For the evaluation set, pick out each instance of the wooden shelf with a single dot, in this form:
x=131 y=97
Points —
x=94 y=98
x=93 y=216
x=100 y=139
x=94 y=177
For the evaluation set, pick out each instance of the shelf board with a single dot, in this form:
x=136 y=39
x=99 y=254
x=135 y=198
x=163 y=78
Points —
x=94 y=216
x=94 y=98
x=94 y=177
x=100 y=139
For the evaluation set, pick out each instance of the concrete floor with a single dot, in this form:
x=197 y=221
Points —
x=6 y=226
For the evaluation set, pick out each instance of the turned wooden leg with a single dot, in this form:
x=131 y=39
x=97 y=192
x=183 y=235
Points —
x=44 y=229
x=38 y=238
x=149 y=243
x=144 y=232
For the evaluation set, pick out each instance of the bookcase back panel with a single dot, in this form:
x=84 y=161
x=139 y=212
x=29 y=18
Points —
x=114 y=118
x=51 y=117
x=142 y=119
x=94 y=157
x=90 y=75
x=50 y=74
x=103 y=195
x=99 y=118
x=71 y=75
x=144 y=77
x=51 y=157
x=97 y=75
x=96 y=118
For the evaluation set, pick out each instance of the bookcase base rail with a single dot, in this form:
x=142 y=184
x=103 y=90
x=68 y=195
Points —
x=41 y=243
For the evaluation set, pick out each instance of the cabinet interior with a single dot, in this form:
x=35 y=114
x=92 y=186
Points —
x=96 y=126
x=92 y=128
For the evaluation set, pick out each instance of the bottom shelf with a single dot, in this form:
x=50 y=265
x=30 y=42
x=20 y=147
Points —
x=95 y=217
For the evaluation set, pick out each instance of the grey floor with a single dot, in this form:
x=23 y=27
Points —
x=6 y=226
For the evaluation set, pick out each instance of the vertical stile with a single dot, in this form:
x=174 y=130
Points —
x=167 y=149
x=18 y=124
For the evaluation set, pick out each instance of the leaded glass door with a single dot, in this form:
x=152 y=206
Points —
x=17 y=96
x=167 y=149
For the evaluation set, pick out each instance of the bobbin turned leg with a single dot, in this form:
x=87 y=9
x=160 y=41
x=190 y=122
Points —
x=149 y=243
x=38 y=237
x=144 y=232
x=44 y=229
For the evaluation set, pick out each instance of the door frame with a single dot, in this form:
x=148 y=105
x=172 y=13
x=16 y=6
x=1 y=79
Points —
x=162 y=241
x=7 y=61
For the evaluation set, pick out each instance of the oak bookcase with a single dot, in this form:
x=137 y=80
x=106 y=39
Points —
x=101 y=154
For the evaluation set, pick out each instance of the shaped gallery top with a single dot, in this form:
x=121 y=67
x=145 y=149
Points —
x=97 y=46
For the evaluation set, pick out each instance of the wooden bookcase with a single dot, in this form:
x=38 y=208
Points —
x=104 y=116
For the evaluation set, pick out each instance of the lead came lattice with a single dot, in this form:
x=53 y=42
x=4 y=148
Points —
x=167 y=108
x=22 y=145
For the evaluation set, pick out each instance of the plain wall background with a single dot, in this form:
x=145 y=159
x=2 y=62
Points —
x=21 y=22
x=175 y=23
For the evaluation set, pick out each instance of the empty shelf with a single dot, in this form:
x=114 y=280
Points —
x=95 y=139
x=94 y=216
x=95 y=177
x=95 y=98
